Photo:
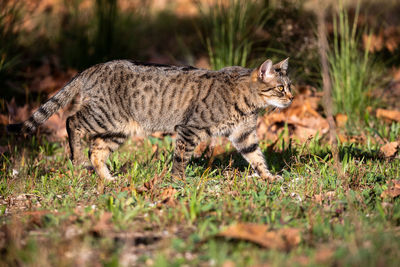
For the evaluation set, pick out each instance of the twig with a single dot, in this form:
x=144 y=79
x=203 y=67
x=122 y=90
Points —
x=326 y=82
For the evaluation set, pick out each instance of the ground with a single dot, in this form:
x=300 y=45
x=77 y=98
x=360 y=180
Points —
x=220 y=215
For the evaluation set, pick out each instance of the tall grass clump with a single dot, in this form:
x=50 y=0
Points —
x=351 y=68
x=229 y=29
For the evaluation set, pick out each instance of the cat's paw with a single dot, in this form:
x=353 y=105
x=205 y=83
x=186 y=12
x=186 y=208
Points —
x=110 y=179
x=270 y=177
x=273 y=178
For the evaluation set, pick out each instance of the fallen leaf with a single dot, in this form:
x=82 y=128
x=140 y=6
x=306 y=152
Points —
x=3 y=119
x=389 y=149
x=343 y=138
x=35 y=217
x=167 y=196
x=228 y=263
x=393 y=190
x=330 y=195
x=200 y=149
x=55 y=127
x=373 y=42
x=150 y=184
x=202 y=63
x=324 y=255
x=103 y=224
x=396 y=74
x=282 y=239
x=341 y=120
x=302 y=118
x=17 y=114
x=392 y=115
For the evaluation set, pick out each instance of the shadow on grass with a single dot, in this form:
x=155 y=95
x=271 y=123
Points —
x=277 y=159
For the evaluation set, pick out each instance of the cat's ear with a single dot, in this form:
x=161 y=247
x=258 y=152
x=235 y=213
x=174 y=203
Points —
x=265 y=71
x=283 y=65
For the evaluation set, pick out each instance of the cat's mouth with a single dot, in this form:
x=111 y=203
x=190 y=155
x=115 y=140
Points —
x=279 y=104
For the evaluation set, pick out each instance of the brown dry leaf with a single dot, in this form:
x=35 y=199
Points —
x=228 y=263
x=396 y=74
x=392 y=115
x=55 y=126
x=47 y=78
x=150 y=184
x=373 y=42
x=199 y=150
x=154 y=148
x=324 y=255
x=17 y=114
x=167 y=196
x=341 y=120
x=35 y=217
x=393 y=190
x=304 y=133
x=342 y=138
x=202 y=63
x=218 y=150
x=3 y=119
x=302 y=118
x=159 y=135
x=330 y=195
x=283 y=239
x=389 y=149
x=126 y=189
x=47 y=84
x=103 y=224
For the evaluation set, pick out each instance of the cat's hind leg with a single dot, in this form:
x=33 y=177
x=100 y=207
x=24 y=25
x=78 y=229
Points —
x=101 y=146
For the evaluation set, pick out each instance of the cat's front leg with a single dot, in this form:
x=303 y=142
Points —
x=244 y=138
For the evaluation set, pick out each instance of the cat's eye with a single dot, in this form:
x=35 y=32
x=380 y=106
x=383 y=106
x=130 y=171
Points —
x=280 y=88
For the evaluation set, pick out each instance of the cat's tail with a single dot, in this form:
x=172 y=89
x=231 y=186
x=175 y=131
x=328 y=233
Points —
x=59 y=100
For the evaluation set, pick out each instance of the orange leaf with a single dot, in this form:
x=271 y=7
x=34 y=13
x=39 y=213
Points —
x=167 y=196
x=341 y=120
x=389 y=149
x=330 y=195
x=103 y=224
x=393 y=190
x=393 y=115
x=283 y=239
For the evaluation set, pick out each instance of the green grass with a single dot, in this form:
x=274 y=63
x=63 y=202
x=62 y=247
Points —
x=52 y=211
x=229 y=30
x=352 y=69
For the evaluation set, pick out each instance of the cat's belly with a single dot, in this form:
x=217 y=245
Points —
x=163 y=123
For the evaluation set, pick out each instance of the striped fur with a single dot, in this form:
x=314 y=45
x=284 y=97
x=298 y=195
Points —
x=121 y=98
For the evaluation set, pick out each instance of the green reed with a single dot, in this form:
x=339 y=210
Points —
x=351 y=68
x=230 y=26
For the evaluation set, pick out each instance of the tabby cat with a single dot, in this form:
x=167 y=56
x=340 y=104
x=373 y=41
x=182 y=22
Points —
x=121 y=98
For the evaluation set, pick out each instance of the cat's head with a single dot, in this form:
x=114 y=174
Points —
x=273 y=84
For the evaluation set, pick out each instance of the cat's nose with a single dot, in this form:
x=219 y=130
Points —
x=290 y=96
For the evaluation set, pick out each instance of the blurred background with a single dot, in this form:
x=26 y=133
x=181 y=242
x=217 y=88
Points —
x=44 y=43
